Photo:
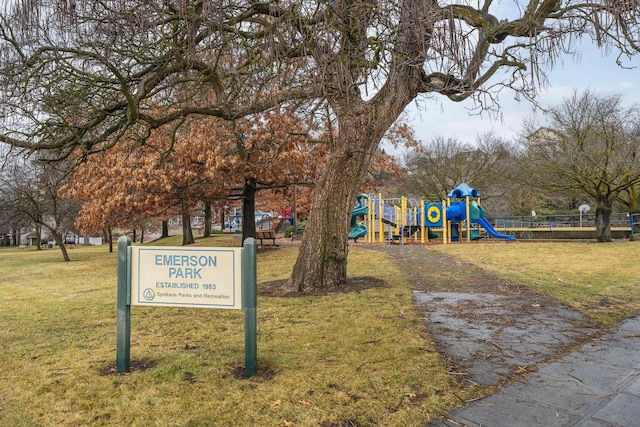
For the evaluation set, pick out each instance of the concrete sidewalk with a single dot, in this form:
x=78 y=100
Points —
x=597 y=384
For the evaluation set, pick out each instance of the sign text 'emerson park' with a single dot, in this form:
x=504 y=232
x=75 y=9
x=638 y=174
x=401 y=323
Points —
x=186 y=266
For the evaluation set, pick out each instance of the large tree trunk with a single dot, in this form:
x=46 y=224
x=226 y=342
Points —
x=165 y=228
x=248 y=208
x=603 y=221
x=322 y=260
x=187 y=231
x=109 y=237
x=207 y=219
x=38 y=237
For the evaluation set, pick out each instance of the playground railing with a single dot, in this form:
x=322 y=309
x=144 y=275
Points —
x=549 y=222
x=634 y=220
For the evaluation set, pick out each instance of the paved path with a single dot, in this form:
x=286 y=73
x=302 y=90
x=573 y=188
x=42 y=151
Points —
x=492 y=337
x=597 y=384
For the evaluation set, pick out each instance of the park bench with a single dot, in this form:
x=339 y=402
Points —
x=266 y=235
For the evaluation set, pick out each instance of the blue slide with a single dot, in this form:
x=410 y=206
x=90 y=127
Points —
x=492 y=231
x=361 y=209
x=358 y=231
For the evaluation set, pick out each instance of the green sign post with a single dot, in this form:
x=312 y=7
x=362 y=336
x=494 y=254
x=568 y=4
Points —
x=186 y=277
x=123 y=301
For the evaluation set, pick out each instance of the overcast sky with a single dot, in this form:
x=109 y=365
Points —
x=601 y=74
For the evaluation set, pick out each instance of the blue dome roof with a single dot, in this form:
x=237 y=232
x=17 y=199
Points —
x=463 y=190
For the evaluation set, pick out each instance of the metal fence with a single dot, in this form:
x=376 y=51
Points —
x=634 y=220
x=549 y=222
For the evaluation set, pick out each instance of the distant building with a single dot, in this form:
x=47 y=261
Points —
x=543 y=136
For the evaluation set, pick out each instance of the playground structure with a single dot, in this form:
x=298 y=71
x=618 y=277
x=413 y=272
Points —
x=460 y=217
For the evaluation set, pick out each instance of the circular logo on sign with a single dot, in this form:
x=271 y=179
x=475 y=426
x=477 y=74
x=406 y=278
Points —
x=433 y=213
x=149 y=294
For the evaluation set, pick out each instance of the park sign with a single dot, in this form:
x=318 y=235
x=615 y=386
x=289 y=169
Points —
x=186 y=277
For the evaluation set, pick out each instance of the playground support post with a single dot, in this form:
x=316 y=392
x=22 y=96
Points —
x=449 y=223
x=380 y=223
x=415 y=222
x=422 y=218
x=368 y=221
x=396 y=213
x=468 y=221
x=403 y=218
x=445 y=223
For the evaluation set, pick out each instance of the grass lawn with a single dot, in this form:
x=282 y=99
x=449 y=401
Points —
x=601 y=280
x=360 y=358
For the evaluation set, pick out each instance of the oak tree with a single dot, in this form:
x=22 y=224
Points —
x=261 y=152
x=208 y=160
x=161 y=178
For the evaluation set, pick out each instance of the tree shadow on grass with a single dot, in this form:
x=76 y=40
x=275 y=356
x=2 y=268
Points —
x=280 y=288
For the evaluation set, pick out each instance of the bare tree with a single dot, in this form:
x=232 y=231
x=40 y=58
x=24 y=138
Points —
x=591 y=145
x=77 y=76
x=631 y=198
x=31 y=191
x=435 y=168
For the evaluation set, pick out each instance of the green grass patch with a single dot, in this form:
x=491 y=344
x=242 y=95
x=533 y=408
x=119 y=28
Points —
x=601 y=280
x=224 y=240
x=361 y=358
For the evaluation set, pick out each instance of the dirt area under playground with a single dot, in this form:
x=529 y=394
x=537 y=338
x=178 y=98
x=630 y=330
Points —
x=487 y=329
